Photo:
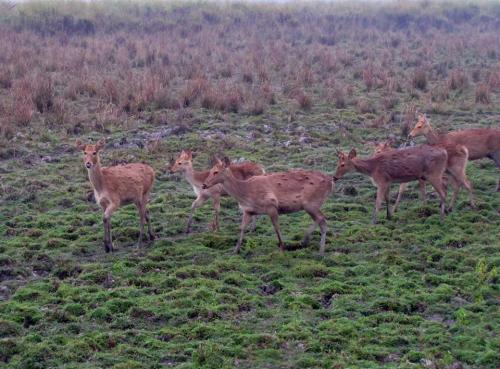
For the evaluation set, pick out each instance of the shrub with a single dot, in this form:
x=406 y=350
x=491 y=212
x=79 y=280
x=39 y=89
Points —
x=419 y=79
x=483 y=95
x=22 y=108
x=304 y=101
x=43 y=93
x=369 y=76
x=365 y=106
x=494 y=81
x=192 y=91
x=458 y=80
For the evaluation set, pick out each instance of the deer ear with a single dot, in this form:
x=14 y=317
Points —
x=189 y=153
x=100 y=144
x=80 y=145
x=352 y=154
x=226 y=161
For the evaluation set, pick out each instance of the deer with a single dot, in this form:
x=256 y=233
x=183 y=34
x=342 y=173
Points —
x=116 y=186
x=275 y=194
x=184 y=164
x=480 y=142
x=386 y=146
x=455 y=168
x=403 y=165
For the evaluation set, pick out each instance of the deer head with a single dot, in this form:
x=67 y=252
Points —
x=217 y=172
x=422 y=127
x=90 y=152
x=183 y=161
x=345 y=164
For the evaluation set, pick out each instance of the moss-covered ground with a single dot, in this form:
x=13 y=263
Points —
x=403 y=293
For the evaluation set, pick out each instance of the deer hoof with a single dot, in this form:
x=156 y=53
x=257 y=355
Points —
x=152 y=237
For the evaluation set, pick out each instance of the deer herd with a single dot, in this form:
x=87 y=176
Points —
x=441 y=161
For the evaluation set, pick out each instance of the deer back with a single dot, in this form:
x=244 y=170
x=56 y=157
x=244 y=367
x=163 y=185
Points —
x=410 y=163
x=480 y=142
x=128 y=182
x=246 y=170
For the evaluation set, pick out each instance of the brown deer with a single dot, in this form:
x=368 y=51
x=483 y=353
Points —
x=184 y=164
x=274 y=194
x=455 y=168
x=480 y=142
x=116 y=186
x=404 y=165
x=386 y=146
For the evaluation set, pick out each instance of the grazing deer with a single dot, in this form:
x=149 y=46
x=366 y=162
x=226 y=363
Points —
x=184 y=164
x=404 y=165
x=480 y=142
x=386 y=146
x=274 y=194
x=116 y=186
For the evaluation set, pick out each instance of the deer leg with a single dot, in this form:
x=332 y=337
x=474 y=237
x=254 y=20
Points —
x=456 y=189
x=253 y=224
x=381 y=190
x=108 y=242
x=437 y=183
x=273 y=214
x=496 y=158
x=141 y=208
x=402 y=189
x=216 y=206
x=150 y=229
x=310 y=230
x=244 y=223
x=321 y=219
x=421 y=186
x=388 y=203
x=196 y=204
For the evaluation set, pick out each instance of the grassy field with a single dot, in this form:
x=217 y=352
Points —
x=275 y=84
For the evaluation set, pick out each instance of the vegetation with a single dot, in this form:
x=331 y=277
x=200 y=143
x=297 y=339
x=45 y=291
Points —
x=283 y=85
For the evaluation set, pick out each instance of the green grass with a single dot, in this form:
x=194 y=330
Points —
x=390 y=295
x=407 y=293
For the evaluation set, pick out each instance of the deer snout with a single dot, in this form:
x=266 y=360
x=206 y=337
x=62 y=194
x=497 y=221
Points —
x=88 y=165
x=204 y=186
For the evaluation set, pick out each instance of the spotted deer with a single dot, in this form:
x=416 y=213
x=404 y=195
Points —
x=274 y=194
x=404 y=165
x=184 y=164
x=116 y=186
x=480 y=142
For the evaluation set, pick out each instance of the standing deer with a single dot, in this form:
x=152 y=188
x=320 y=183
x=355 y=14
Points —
x=184 y=164
x=386 y=146
x=404 y=165
x=480 y=142
x=455 y=168
x=116 y=186
x=274 y=194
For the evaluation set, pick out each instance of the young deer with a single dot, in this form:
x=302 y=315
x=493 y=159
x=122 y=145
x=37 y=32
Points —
x=184 y=164
x=116 y=186
x=480 y=142
x=274 y=194
x=405 y=165
x=386 y=146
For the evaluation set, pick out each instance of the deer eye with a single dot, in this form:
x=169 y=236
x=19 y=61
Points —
x=94 y=153
x=216 y=172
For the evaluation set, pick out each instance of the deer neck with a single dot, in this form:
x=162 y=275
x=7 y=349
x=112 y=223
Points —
x=96 y=177
x=364 y=166
x=433 y=137
x=234 y=187
x=189 y=174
